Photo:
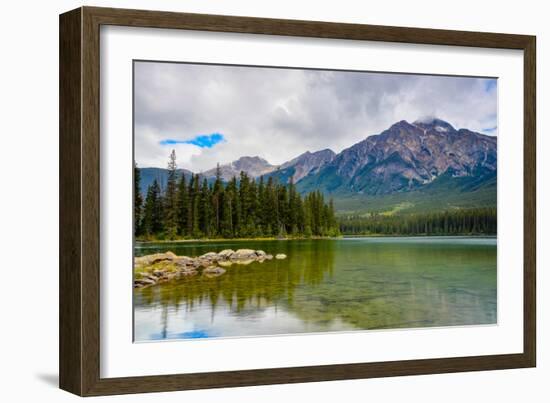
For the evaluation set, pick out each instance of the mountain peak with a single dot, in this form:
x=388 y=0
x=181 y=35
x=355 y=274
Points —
x=434 y=123
x=307 y=163
x=252 y=159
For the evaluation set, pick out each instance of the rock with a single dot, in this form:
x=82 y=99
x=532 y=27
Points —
x=243 y=254
x=183 y=261
x=152 y=259
x=213 y=271
x=144 y=281
x=204 y=262
x=226 y=253
x=159 y=257
x=162 y=267
x=188 y=271
x=210 y=256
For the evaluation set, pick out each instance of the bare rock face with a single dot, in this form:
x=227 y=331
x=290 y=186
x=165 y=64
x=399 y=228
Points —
x=307 y=163
x=407 y=156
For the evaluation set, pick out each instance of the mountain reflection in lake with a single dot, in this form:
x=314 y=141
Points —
x=324 y=285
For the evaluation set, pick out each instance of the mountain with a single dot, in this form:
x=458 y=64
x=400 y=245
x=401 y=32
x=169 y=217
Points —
x=421 y=166
x=148 y=175
x=303 y=165
x=253 y=166
x=406 y=157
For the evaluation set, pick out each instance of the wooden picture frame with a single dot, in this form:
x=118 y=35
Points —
x=79 y=346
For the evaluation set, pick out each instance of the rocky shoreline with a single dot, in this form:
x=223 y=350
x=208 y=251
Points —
x=160 y=267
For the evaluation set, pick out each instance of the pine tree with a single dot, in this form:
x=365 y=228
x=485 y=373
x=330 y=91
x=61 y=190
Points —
x=205 y=209
x=217 y=195
x=171 y=200
x=332 y=223
x=194 y=207
x=261 y=212
x=282 y=203
x=270 y=208
x=183 y=206
x=153 y=214
x=138 y=202
x=292 y=214
x=233 y=191
x=244 y=189
x=226 y=224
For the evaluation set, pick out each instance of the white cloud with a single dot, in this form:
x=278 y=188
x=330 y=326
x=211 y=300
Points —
x=279 y=113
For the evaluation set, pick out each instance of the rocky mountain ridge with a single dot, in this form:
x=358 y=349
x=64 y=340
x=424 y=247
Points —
x=403 y=158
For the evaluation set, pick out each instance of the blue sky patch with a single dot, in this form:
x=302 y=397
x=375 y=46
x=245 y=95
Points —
x=202 y=140
x=490 y=85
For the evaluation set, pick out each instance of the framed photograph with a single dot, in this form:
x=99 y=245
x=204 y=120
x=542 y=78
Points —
x=248 y=201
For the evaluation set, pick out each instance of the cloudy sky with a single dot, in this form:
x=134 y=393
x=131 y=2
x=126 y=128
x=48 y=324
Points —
x=212 y=114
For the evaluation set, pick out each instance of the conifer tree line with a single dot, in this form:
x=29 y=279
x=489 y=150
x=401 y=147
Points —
x=191 y=207
x=480 y=221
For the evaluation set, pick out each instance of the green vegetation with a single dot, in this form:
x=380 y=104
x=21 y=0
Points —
x=481 y=221
x=444 y=194
x=189 y=209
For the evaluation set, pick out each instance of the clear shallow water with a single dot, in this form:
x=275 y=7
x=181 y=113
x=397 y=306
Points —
x=325 y=285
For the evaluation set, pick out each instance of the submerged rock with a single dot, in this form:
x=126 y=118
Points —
x=213 y=271
x=143 y=282
x=244 y=261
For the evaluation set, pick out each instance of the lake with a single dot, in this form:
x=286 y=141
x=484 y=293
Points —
x=324 y=285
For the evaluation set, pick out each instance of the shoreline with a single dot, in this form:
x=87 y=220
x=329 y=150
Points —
x=232 y=239
x=213 y=240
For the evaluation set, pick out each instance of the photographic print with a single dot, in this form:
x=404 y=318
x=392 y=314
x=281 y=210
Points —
x=274 y=201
